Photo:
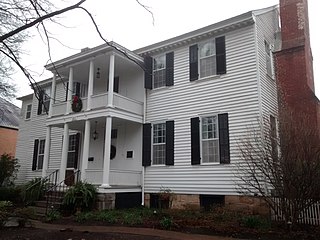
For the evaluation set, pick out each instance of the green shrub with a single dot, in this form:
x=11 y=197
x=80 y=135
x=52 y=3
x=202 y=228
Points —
x=166 y=222
x=34 y=190
x=25 y=213
x=130 y=218
x=107 y=216
x=84 y=216
x=4 y=213
x=81 y=196
x=255 y=222
x=52 y=215
x=10 y=194
x=8 y=169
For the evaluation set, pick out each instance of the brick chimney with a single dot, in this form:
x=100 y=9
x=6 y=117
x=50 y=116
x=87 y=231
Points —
x=294 y=64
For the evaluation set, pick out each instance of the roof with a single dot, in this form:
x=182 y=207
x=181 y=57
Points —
x=9 y=114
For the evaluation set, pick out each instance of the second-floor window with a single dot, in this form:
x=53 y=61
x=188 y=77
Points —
x=28 y=111
x=159 y=71
x=207 y=58
x=44 y=100
x=268 y=59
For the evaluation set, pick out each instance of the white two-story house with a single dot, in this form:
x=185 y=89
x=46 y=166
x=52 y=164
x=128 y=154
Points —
x=169 y=115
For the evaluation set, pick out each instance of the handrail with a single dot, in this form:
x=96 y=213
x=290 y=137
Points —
x=61 y=187
x=44 y=179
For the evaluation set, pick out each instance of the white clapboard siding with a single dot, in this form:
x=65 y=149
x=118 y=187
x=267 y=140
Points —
x=235 y=93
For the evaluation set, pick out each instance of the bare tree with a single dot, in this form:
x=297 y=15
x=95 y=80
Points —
x=283 y=167
x=17 y=17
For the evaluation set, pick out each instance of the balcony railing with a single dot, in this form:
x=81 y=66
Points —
x=117 y=177
x=101 y=101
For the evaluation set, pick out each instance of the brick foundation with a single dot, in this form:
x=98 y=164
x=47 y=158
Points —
x=106 y=201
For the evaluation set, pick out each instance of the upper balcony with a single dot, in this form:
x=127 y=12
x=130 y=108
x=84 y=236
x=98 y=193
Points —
x=88 y=74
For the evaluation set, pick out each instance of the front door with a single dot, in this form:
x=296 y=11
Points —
x=73 y=158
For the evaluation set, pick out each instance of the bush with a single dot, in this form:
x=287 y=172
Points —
x=4 y=213
x=8 y=169
x=254 y=222
x=52 y=215
x=10 y=194
x=166 y=222
x=85 y=216
x=34 y=190
x=106 y=216
x=81 y=197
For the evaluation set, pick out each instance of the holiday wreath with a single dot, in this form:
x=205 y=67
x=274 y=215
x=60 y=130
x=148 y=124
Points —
x=76 y=104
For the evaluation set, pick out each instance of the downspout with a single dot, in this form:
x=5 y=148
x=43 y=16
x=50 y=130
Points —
x=143 y=168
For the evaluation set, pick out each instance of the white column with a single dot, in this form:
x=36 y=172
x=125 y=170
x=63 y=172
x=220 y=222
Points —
x=85 y=153
x=70 y=89
x=106 y=159
x=90 y=85
x=64 y=155
x=53 y=94
x=111 y=79
x=46 y=152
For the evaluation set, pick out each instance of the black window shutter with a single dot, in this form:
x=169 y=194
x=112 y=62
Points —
x=170 y=143
x=169 y=69
x=146 y=144
x=116 y=85
x=224 y=145
x=78 y=86
x=193 y=62
x=77 y=151
x=221 y=55
x=67 y=91
x=35 y=154
x=40 y=102
x=195 y=141
x=148 y=72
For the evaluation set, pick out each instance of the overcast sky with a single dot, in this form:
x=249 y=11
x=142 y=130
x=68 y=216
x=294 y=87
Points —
x=128 y=24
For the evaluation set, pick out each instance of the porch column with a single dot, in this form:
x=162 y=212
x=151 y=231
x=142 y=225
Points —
x=107 y=149
x=70 y=90
x=85 y=155
x=46 y=152
x=90 y=85
x=53 y=94
x=111 y=80
x=64 y=155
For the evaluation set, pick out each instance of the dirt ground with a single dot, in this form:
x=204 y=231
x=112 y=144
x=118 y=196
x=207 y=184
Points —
x=43 y=234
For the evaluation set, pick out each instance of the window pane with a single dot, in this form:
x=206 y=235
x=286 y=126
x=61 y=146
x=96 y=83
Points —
x=208 y=66
x=159 y=152
x=210 y=151
x=159 y=133
x=159 y=78
x=207 y=49
x=40 y=161
x=159 y=62
x=71 y=159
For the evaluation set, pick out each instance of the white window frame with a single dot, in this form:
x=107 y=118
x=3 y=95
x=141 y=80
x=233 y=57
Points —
x=40 y=153
x=83 y=89
x=72 y=137
x=28 y=111
x=46 y=99
x=213 y=55
x=269 y=59
x=159 y=83
x=163 y=160
x=202 y=139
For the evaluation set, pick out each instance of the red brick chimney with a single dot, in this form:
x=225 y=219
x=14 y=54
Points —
x=294 y=64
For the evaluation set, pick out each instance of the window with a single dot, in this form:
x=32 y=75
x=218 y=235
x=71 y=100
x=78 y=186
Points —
x=207 y=59
x=38 y=154
x=273 y=136
x=268 y=59
x=79 y=89
x=210 y=139
x=159 y=143
x=28 y=111
x=44 y=100
x=159 y=71
x=72 y=161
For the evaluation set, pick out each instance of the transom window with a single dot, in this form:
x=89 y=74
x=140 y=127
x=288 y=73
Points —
x=41 y=153
x=210 y=139
x=207 y=58
x=159 y=71
x=28 y=111
x=159 y=144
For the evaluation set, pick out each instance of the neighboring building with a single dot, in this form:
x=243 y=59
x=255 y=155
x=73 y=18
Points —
x=174 y=123
x=9 y=126
x=294 y=63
